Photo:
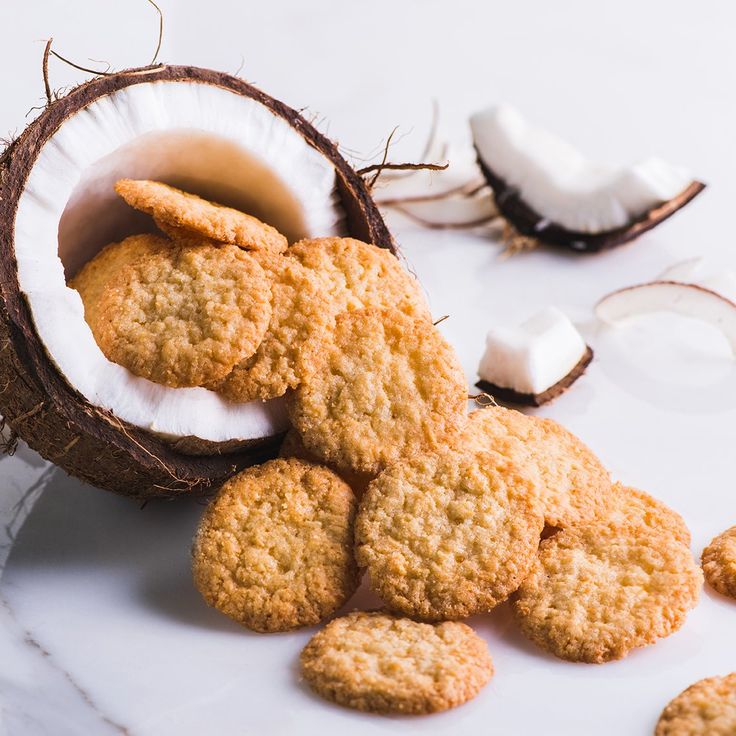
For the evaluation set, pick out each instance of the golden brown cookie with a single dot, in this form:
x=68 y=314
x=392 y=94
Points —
x=292 y=446
x=707 y=708
x=382 y=664
x=360 y=275
x=182 y=212
x=185 y=316
x=632 y=505
x=598 y=590
x=719 y=563
x=274 y=549
x=301 y=308
x=379 y=387
x=575 y=485
x=449 y=534
x=95 y=275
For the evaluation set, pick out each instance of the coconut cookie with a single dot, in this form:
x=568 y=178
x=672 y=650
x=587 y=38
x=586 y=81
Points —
x=719 y=563
x=381 y=386
x=185 y=316
x=598 y=590
x=183 y=213
x=382 y=664
x=292 y=446
x=362 y=275
x=95 y=275
x=632 y=505
x=301 y=309
x=274 y=550
x=707 y=708
x=575 y=485
x=449 y=535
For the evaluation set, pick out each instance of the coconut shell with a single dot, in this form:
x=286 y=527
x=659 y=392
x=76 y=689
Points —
x=35 y=399
x=530 y=223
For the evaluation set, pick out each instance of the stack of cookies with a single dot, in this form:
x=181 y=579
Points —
x=384 y=472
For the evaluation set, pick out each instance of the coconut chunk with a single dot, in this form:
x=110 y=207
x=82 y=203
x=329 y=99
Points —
x=536 y=355
x=562 y=185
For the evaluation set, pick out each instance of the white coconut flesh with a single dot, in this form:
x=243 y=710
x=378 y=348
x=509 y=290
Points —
x=201 y=138
x=561 y=184
x=534 y=356
x=689 y=300
x=703 y=272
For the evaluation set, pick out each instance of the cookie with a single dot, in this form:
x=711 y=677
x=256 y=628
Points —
x=719 y=563
x=449 y=534
x=575 y=485
x=274 y=549
x=360 y=275
x=185 y=316
x=181 y=212
x=380 y=386
x=301 y=308
x=633 y=505
x=382 y=664
x=292 y=446
x=598 y=590
x=95 y=275
x=707 y=708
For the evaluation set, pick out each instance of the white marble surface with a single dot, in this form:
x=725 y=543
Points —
x=100 y=629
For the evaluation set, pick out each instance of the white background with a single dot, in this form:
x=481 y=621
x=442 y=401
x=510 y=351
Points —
x=101 y=629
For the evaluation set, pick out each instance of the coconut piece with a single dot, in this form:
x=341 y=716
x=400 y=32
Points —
x=703 y=272
x=204 y=131
x=535 y=362
x=549 y=190
x=690 y=300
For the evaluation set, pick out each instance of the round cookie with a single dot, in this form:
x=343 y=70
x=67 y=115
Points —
x=360 y=275
x=598 y=590
x=719 y=563
x=707 y=708
x=274 y=549
x=632 y=505
x=95 y=275
x=382 y=664
x=575 y=485
x=449 y=535
x=292 y=446
x=181 y=212
x=185 y=316
x=379 y=387
x=301 y=308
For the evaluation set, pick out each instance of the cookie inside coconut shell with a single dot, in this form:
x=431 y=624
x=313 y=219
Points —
x=206 y=132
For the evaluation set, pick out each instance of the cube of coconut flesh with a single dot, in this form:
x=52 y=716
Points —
x=546 y=187
x=534 y=362
x=202 y=131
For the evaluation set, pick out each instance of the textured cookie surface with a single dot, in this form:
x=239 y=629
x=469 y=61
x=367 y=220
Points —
x=181 y=212
x=379 y=663
x=449 y=535
x=360 y=275
x=301 y=308
x=274 y=550
x=575 y=485
x=707 y=708
x=719 y=563
x=380 y=386
x=185 y=316
x=632 y=505
x=94 y=277
x=598 y=590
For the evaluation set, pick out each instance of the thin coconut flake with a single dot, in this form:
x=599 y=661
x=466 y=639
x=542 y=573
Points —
x=703 y=272
x=563 y=186
x=84 y=140
x=689 y=300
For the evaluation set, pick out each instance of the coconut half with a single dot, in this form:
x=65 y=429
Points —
x=200 y=130
x=549 y=190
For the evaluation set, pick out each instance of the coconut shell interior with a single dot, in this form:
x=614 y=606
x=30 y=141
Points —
x=35 y=399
